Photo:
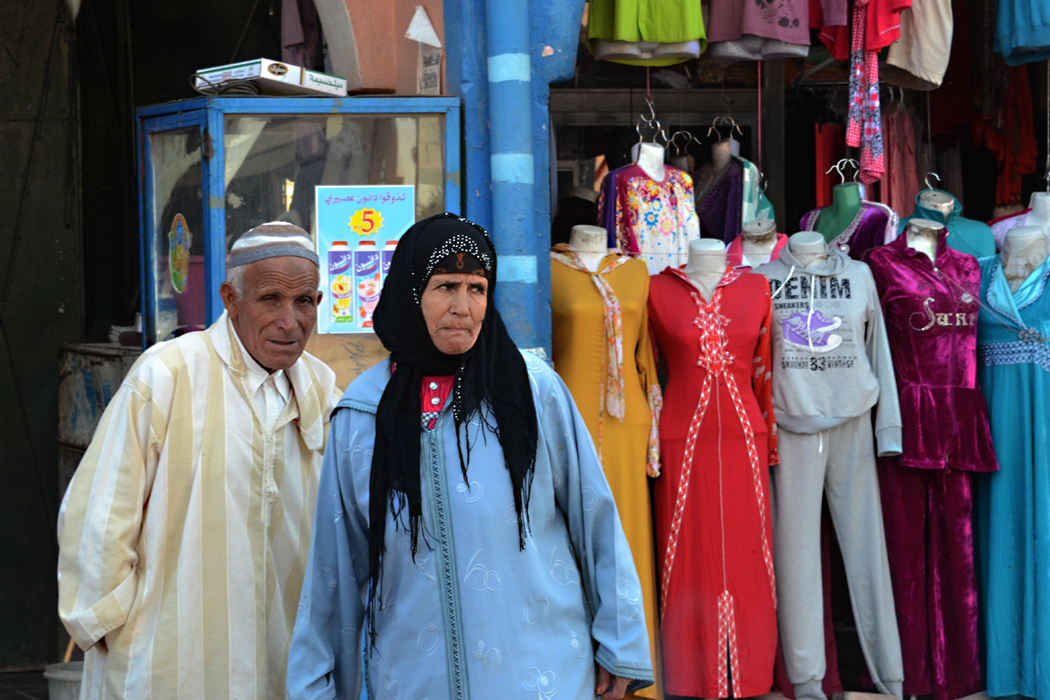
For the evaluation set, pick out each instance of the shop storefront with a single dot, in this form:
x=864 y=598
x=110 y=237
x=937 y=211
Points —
x=742 y=246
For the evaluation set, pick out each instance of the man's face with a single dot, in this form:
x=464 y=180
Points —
x=454 y=306
x=277 y=310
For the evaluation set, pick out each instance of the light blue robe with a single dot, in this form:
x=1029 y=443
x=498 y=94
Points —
x=1013 y=504
x=473 y=616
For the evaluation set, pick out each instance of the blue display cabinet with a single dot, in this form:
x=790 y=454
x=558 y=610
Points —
x=213 y=167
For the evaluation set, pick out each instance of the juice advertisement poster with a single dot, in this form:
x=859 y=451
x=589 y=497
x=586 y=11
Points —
x=357 y=228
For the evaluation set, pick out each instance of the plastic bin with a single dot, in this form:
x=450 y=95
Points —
x=63 y=680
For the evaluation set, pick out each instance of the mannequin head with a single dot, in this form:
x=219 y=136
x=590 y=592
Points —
x=808 y=246
x=1023 y=236
x=650 y=158
x=589 y=239
x=722 y=151
x=706 y=255
x=1025 y=249
x=1040 y=205
x=938 y=201
x=923 y=236
x=760 y=229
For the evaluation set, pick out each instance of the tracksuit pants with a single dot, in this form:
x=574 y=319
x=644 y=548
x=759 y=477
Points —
x=841 y=462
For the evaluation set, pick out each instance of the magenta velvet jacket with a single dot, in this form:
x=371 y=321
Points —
x=931 y=323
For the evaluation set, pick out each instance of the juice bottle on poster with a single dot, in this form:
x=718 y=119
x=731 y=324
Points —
x=341 y=282
x=388 y=257
x=368 y=280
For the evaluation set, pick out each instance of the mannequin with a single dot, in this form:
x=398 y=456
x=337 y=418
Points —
x=706 y=265
x=650 y=158
x=845 y=205
x=598 y=303
x=722 y=151
x=930 y=313
x=923 y=235
x=1040 y=214
x=759 y=238
x=938 y=201
x=808 y=247
x=717 y=441
x=1025 y=249
x=591 y=244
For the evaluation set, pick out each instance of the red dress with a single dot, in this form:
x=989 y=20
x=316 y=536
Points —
x=717 y=440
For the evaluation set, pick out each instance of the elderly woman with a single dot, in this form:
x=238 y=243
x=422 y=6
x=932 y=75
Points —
x=465 y=532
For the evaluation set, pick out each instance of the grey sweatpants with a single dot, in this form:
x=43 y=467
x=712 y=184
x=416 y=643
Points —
x=840 y=461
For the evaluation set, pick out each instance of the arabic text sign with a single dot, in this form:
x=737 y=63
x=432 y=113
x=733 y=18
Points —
x=358 y=227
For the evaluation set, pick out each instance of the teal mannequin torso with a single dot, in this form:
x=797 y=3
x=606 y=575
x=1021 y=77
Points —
x=843 y=210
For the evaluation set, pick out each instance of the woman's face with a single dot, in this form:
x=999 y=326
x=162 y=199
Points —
x=454 y=306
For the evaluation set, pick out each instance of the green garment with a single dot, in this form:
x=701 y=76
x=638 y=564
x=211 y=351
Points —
x=964 y=235
x=661 y=21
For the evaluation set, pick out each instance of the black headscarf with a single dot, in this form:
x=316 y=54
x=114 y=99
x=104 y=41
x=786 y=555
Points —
x=399 y=323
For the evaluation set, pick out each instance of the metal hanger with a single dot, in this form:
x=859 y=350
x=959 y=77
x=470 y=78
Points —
x=927 y=180
x=689 y=138
x=837 y=167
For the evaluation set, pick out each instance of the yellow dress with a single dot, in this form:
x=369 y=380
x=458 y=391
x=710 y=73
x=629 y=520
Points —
x=581 y=357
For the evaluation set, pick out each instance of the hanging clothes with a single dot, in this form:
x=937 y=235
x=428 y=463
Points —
x=951 y=105
x=765 y=31
x=607 y=206
x=718 y=438
x=864 y=126
x=754 y=201
x=645 y=32
x=719 y=204
x=729 y=198
x=966 y=235
x=602 y=350
x=867 y=230
x=1010 y=134
x=930 y=310
x=919 y=59
x=830 y=149
x=830 y=18
x=901 y=183
x=1022 y=31
x=654 y=220
x=1012 y=525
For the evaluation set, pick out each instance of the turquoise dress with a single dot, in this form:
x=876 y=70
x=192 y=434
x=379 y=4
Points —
x=1013 y=504
x=471 y=615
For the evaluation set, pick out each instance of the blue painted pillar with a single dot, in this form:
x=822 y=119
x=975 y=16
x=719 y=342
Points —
x=502 y=56
x=510 y=120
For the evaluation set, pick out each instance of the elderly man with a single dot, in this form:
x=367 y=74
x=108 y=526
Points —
x=185 y=532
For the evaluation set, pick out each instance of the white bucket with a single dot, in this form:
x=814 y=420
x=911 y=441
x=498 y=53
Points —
x=63 y=680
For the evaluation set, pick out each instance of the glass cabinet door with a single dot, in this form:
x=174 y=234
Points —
x=274 y=161
x=175 y=229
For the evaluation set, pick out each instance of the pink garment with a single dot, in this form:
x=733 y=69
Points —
x=836 y=12
x=901 y=184
x=926 y=492
x=784 y=20
x=735 y=251
x=931 y=325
